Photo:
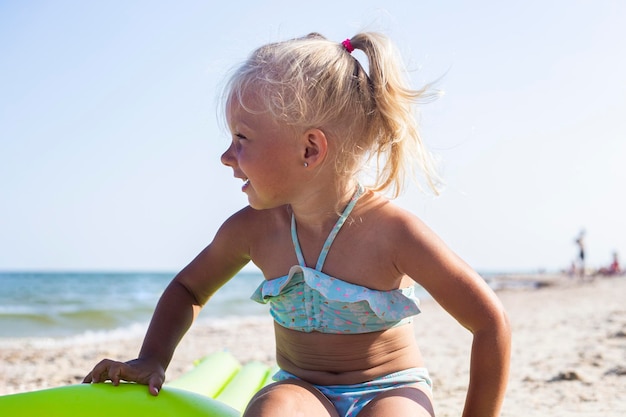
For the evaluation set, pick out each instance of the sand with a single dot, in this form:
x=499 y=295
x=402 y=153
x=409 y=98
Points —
x=569 y=351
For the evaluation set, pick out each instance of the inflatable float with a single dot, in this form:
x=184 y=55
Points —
x=217 y=386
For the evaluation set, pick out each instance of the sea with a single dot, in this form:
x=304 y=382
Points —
x=65 y=304
x=75 y=304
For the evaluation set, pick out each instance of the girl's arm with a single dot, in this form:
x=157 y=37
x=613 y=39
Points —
x=172 y=317
x=179 y=306
x=466 y=296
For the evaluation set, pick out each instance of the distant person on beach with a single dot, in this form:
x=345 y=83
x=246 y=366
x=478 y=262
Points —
x=580 y=242
x=340 y=260
x=613 y=269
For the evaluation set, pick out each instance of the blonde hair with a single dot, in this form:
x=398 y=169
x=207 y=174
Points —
x=313 y=82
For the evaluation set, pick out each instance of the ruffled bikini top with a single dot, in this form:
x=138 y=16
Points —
x=309 y=300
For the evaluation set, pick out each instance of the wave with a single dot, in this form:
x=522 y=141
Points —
x=27 y=321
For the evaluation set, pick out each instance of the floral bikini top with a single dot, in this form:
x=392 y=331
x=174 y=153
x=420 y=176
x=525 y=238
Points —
x=309 y=300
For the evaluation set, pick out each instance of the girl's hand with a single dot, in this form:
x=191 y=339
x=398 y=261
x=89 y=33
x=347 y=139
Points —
x=141 y=371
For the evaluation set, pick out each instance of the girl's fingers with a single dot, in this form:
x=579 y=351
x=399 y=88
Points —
x=132 y=371
x=105 y=370
x=154 y=385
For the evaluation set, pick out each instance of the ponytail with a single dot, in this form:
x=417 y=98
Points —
x=399 y=149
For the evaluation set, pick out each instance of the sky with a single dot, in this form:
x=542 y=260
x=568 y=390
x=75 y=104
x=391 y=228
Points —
x=110 y=134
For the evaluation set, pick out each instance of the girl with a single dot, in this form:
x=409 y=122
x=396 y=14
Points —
x=340 y=260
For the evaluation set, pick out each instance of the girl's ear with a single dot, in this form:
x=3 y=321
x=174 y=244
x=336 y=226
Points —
x=315 y=147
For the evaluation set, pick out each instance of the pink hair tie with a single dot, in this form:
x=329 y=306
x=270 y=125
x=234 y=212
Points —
x=348 y=45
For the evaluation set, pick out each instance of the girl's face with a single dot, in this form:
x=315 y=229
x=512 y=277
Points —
x=264 y=155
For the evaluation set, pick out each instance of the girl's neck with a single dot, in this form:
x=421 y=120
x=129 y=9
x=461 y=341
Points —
x=320 y=206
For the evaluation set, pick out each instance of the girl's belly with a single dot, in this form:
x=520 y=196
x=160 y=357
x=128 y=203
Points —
x=330 y=359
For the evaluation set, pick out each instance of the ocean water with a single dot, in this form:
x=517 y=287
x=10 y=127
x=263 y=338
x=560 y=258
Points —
x=62 y=304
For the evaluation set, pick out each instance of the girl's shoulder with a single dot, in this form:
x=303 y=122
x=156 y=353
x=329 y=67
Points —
x=249 y=221
x=251 y=214
x=378 y=209
x=389 y=226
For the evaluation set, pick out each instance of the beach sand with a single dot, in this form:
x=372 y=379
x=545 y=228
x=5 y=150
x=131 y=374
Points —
x=569 y=351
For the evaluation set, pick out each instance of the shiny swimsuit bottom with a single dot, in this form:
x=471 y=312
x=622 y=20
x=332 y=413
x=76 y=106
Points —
x=349 y=400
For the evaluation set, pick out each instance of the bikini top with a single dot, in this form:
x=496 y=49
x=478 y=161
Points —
x=309 y=300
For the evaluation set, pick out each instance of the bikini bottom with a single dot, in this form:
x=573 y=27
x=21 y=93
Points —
x=349 y=400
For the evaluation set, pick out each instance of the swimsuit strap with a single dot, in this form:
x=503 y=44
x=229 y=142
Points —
x=296 y=243
x=331 y=236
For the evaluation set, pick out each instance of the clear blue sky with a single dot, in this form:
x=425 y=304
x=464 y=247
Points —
x=110 y=141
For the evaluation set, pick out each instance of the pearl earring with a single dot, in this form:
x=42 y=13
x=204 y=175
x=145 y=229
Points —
x=306 y=164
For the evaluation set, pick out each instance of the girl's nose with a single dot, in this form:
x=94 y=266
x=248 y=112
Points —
x=227 y=157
